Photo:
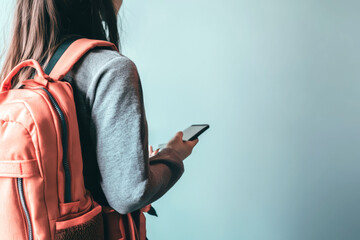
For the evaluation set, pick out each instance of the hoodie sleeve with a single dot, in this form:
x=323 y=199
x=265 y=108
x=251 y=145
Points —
x=130 y=179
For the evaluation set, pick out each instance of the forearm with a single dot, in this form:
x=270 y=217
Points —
x=165 y=169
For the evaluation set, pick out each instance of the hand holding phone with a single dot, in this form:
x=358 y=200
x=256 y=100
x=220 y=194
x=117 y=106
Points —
x=183 y=148
x=191 y=133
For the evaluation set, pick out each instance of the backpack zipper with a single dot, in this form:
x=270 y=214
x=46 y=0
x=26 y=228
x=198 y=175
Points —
x=64 y=137
x=23 y=204
x=65 y=163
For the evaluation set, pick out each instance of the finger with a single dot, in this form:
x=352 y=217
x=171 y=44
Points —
x=150 y=149
x=192 y=143
x=157 y=151
x=179 y=135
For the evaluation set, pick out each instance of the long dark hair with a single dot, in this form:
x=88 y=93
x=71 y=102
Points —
x=40 y=26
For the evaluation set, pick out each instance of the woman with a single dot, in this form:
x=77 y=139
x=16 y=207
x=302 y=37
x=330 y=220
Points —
x=118 y=170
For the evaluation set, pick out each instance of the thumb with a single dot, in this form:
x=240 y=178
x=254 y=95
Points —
x=179 y=135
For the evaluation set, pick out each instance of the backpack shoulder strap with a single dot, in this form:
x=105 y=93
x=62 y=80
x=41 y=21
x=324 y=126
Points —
x=69 y=53
x=58 y=53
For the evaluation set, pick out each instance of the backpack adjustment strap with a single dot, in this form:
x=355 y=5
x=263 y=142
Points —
x=19 y=168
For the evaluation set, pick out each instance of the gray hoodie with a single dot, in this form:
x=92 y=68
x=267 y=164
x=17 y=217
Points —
x=113 y=132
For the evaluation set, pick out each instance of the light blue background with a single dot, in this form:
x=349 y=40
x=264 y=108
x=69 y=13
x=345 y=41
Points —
x=278 y=82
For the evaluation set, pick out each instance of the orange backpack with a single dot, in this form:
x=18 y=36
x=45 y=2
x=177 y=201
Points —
x=41 y=180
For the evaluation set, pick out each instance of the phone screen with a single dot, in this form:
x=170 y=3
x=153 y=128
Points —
x=192 y=132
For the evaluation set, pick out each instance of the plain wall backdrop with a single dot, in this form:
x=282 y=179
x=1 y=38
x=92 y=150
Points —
x=278 y=82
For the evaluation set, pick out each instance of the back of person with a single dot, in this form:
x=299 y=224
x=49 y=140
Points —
x=118 y=170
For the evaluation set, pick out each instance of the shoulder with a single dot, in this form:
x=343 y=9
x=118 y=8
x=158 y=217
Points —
x=99 y=61
x=103 y=70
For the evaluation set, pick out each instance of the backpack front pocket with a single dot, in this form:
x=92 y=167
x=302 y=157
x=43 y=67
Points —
x=15 y=217
x=88 y=226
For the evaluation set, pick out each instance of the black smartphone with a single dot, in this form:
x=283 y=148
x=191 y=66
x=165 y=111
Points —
x=194 y=131
x=191 y=133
